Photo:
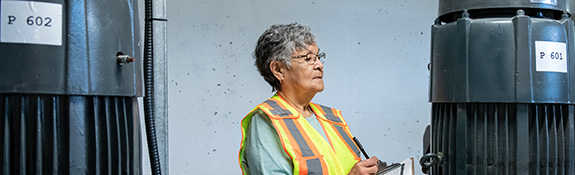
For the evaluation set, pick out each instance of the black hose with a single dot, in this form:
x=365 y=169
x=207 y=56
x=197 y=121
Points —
x=149 y=90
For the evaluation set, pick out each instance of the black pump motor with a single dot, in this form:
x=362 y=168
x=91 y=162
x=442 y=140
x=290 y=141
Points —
x=70 y=74
x=502 y=88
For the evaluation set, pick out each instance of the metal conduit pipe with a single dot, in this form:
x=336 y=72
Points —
x=149 y=90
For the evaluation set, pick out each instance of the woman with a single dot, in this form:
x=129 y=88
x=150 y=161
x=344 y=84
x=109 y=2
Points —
x=287 y=134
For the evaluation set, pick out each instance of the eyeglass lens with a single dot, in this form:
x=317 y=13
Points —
x=312 y=57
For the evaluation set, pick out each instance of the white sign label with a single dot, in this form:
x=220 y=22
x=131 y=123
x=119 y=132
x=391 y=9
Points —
x=551 y=2
x=31 y=22
x=551 y=56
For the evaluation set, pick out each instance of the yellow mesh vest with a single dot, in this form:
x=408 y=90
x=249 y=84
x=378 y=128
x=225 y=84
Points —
x=310 y=152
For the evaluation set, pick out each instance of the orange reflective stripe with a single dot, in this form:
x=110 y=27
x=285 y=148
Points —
x=299 y=139
x=306 y=148
x=306 y=152
x=328 y=113
x=278 y=110
x=347 y=139
x=266 y=106
x=302 y=167
x=350 y=143
x=328 y=138
x=338 y=125
x=291 y=141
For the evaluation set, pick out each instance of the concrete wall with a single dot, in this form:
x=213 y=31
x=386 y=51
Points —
x=376 y=73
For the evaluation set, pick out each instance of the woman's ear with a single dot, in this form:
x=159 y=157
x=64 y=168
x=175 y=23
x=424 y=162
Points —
x=277 y=69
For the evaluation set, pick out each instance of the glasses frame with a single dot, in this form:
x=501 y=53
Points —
x=311 y=58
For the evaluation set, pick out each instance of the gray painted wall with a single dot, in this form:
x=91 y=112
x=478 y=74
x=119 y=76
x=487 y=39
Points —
x=376 y=73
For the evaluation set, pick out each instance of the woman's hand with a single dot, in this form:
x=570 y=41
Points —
x=367 y=166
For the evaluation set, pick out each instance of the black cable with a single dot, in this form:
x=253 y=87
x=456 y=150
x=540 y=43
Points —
x=149 y=90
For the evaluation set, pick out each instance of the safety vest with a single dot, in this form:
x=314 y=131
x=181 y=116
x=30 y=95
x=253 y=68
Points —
x=309 y=151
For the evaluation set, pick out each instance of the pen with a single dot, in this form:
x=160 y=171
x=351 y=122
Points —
x=360 y=147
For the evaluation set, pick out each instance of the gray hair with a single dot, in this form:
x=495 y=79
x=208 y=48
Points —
x=278 y=43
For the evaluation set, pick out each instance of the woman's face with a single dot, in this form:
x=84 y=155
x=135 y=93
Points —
x=304 y=77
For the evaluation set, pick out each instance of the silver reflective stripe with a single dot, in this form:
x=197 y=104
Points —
x=294 y=131
x=296 y=134
x=347 y=140
x=311 y=166
x=277 y=109
x=329 y=114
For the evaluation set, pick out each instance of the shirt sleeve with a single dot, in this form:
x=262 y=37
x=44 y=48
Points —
x=263 y=150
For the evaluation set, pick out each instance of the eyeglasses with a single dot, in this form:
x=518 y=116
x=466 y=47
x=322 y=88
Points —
x=310 y=58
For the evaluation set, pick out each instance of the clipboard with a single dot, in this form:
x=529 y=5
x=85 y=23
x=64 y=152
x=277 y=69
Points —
x=403 y=168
